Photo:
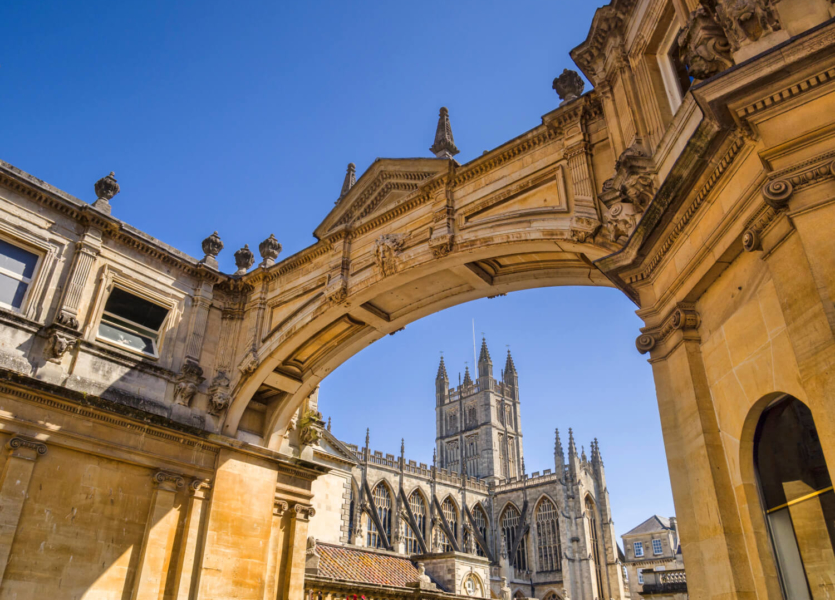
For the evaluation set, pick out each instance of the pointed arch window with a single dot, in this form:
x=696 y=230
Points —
x=351 y=515
x=594 y=541
x=548 y=536
x=471 y=451
x=510 y=524
x=480 y=520
x=418 y=507
x=382 y=503
x=797 y=496
x=451 y=515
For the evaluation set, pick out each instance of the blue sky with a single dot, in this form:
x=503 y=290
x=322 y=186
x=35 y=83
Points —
x=242 y=118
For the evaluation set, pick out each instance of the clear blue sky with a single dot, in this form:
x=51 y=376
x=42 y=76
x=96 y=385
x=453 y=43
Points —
x=241 y=117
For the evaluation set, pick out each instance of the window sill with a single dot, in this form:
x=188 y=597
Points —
x=137 y=353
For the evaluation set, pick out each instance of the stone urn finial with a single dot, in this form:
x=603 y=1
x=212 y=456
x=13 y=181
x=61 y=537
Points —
x=569 y=86
x=244 y=259
x=105 y=188
x=212 y=246
x=269 y=249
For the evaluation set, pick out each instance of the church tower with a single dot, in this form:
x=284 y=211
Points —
x=478 y=423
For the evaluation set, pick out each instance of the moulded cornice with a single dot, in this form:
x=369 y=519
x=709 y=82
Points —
x=607 y=21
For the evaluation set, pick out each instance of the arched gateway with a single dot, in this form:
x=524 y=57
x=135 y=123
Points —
x=697 y=177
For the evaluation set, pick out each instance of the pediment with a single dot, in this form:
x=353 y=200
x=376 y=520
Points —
x=386 y=184
x=335 y=449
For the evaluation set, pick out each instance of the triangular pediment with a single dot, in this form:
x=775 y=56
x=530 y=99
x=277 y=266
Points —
x=387 y=183
x=335 y=449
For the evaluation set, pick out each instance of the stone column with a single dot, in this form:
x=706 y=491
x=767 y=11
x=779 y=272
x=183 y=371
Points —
x=86 y=251
x=191 y=548
x=711 y=529
x=293 y=588
x=158 y=540
x=14 y=484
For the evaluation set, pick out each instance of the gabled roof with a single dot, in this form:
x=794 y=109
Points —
x=386 y=182
x=651 y=525
x=333 y=447
x=365 y=566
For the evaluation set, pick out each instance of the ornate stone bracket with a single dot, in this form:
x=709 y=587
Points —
x=310 y=428
x=219 y=396
x=683 y=318
x=627 y=194
x=188 y=381
x=744 y=21
x=704 y=48
x=61 y=339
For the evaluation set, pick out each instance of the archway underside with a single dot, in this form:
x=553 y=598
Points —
x=324 y=334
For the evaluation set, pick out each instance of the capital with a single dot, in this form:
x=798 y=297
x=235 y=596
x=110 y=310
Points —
x=25 y=447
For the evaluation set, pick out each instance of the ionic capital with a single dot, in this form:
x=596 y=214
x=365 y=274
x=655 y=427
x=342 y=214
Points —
x=25 y=447
x=280 y=507
x=303 y=512
x=170 y=482
x=682 y=318
x=200 y=488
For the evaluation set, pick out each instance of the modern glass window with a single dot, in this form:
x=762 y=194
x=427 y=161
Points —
x=382 y=503
x=594 y=540
x=480 y=519
x=796 y=490
x=17 y=267
x=548 y=536
x=132 y=322
x=418 y=507
x=656 y=547
x=509 y=524
x=639 y=549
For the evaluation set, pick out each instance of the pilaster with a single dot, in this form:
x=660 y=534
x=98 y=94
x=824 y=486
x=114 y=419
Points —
x=191 y=548
x=86 y=251
x=293 y=588
x=158 y=541
x=14 y=486
x=197 y=326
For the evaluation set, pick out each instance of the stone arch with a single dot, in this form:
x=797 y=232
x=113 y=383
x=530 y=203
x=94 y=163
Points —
x=519 y=594
x=423 y=494
x=388 y=517
x=546 y=524
x=507 y=505
x=472 y=575
x=544 y=496
x=317 y=315
x=389 y=487
x=552 y=594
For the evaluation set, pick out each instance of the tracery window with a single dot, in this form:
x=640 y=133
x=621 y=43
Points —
x=471 y=416
x=502 y=455
x=511 y=457
x=471 y=450
x=508 y=416
x=509 y=524
x=418 y=507
x=501 y=413
x=451 y=515
x=382 y=503
x=548 y=536
x=452 y=457
x=351 y=514
x=595 y=543
x=480 y=520
x=452 y=421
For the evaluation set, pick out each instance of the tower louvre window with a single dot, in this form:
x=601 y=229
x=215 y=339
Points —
x=471 y=450
x=548 y=536
x=382 y=504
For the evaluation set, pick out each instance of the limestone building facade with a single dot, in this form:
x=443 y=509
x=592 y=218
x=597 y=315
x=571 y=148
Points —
x=152 y=400
x=653 y=560
x=475 y=512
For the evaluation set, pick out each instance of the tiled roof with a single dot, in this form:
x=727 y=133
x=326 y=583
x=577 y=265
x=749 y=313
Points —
x=653 y=524
x=364 y=566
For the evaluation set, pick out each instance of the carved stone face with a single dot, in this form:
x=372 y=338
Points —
x=184 y=392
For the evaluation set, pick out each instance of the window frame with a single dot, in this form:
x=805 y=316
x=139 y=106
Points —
x=672 y=89
x=112 y=279
x=42 y=251
x=638 y=549
x=657 y=547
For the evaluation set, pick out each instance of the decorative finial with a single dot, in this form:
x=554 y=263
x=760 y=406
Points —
x=212 y=246
x=583 y=454
x=569 y=86
x=105 y=188
x=523 y=466
x=557 y=443
x=350 y=179
x=329 y=424
x=434 y=456
x=402 y=447
x=367 y=436
x=244 y=259
x=444 y=146
x=572 y=448
x=269 y=249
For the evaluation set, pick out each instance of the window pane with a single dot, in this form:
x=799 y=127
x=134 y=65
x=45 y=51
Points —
x=135 y=309
x=18 y=261
x=11 y=291
x=115 y=331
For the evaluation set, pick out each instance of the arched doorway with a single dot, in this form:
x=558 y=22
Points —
x=797 y=497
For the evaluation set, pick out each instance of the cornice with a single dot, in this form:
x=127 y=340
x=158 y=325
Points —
x=51 y=197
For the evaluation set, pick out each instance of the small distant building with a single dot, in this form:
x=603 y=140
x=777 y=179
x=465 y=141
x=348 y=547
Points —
x=653 y=561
